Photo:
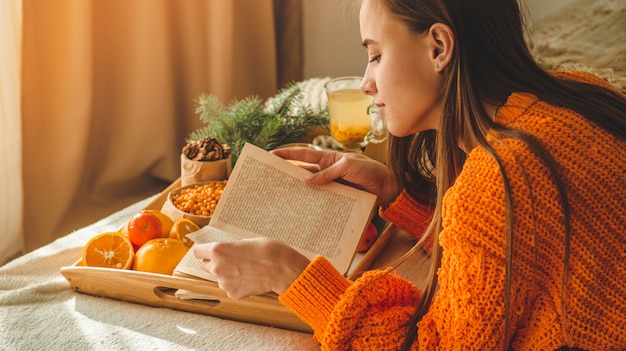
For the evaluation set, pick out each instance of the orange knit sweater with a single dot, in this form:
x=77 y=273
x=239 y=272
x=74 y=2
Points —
x=371 y=313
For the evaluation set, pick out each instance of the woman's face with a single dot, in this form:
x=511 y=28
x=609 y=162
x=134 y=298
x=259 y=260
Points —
x=400 y=74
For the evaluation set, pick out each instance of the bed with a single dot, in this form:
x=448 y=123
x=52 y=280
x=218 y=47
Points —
x=39 y=310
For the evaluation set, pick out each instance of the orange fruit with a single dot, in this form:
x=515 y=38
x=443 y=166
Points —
x=159 y=255
x=368 y=238
x=144 y=226
x=124 y=232
x=108 y=250
x=166 y=222
x=124 y=229
x=181 y=228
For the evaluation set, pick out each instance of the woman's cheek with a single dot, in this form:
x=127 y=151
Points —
x=396 y=127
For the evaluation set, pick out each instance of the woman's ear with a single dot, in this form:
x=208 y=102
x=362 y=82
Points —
x=442 y=45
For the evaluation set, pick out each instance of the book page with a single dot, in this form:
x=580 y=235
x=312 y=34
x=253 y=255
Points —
x=267 y=196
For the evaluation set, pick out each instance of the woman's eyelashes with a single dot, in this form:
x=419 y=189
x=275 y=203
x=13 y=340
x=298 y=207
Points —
x=374 y=59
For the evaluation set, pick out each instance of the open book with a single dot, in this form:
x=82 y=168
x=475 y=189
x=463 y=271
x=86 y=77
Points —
x=267 y=196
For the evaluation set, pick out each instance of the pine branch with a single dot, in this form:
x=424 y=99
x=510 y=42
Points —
x=285 y=120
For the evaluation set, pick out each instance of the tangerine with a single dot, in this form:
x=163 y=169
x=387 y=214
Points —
x=368 y=238
x=159 y=255
x=124 y=232
x=181 y=228
x=124 y=229
x=166 y=222
x=108 y=250
x=144 y=226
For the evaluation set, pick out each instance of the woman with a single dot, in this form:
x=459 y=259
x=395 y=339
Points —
x=522 y=172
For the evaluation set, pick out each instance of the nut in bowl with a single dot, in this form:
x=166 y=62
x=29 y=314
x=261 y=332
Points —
x=195 y=202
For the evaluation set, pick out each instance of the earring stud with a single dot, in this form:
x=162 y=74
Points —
x=436 y=66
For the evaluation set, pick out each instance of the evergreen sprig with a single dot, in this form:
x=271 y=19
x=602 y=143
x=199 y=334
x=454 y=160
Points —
x=285 y=119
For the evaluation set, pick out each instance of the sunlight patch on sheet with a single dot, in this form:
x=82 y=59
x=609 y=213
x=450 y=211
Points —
x=186 y=330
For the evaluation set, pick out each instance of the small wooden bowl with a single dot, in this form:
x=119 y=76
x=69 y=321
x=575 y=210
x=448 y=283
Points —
x=175 y=213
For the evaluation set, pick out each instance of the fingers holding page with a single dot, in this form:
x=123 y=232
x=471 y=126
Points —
x=353 y=169
x=251 y=266
x=325 y=165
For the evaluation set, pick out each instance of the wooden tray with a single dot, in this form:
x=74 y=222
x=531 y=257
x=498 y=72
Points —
x=159 y=290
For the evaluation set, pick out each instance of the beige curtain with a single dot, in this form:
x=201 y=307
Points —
x=10 y=131
x=109 y=91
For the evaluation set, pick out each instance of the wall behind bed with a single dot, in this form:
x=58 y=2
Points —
x=332 y=40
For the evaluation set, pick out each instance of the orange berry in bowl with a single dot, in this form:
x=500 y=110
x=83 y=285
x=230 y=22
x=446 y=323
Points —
x=195 y=201
x=181 y=228
x=159 y=255
x=144 y=226
x=108 y=250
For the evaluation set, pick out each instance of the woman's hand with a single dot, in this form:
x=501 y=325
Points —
x=358 y=170
x=251 y=266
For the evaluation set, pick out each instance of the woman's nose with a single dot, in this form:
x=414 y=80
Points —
x=368 y=86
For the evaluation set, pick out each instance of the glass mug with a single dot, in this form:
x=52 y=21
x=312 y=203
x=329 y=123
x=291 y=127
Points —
x=354 y=120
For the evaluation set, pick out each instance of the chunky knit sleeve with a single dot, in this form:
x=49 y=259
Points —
x=409 y=214
x=371 y=313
